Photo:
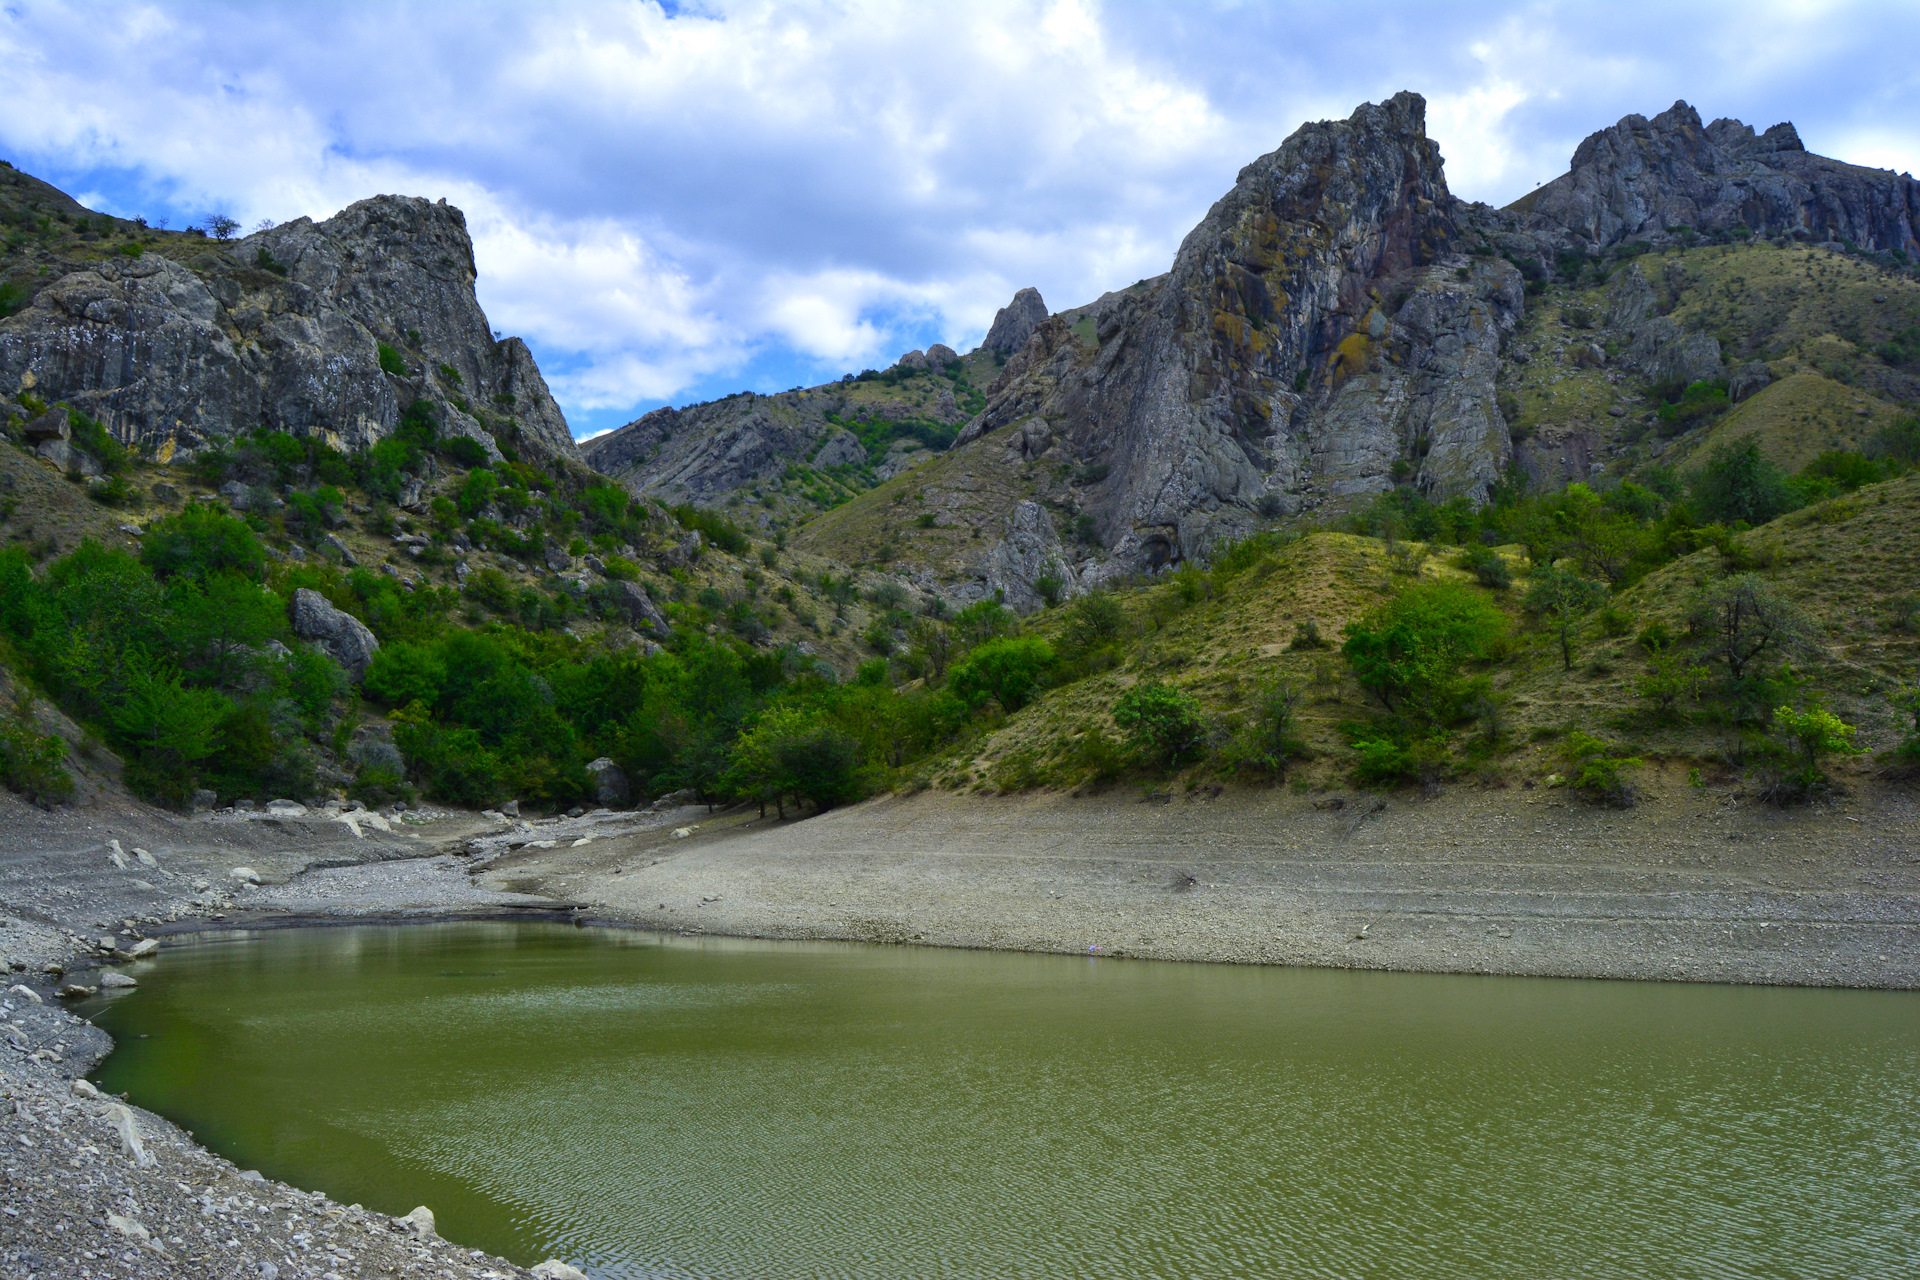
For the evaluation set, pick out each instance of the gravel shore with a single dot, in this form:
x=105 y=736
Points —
x=1695 y=884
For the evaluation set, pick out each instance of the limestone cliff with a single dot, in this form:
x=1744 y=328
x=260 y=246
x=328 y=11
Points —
x=194 y=341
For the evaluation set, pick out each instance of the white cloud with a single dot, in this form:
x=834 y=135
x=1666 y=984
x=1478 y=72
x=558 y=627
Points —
x=659 y=202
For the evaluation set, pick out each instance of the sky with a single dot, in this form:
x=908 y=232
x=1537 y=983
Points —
x=673 y=202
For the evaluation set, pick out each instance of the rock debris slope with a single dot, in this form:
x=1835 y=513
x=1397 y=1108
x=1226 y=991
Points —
x=193 y=343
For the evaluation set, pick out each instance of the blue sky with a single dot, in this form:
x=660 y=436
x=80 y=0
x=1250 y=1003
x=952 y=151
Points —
x=670 y=204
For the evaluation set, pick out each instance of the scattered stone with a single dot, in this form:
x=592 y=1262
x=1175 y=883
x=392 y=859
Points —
x=286 y=809
x=681 y=833
x=111 y=981
x=144 y=948
x=165 y=493
x=128 y=1227
x=84 y=1089
x=511 y=809
x=419 y=1222
x=246 y=875
x=146 y=859
x=77 y=991
x=25 y=993
x=341 y=549
x=204 y=800
x=554 y=1269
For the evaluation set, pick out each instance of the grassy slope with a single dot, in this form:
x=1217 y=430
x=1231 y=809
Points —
x=1845 y=562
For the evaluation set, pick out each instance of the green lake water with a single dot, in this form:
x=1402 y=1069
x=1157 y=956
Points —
x=692 y=1107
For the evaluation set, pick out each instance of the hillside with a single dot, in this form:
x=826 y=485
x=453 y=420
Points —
x=1515 y=460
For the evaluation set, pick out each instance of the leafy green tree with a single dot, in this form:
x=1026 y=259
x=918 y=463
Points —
x=1013 y=670
x=1561 y=600
x=1738 y=483
x=1409 y=651
x=200 y=542
x=1093 y=620
x=215 y=624
x=1597 y=770
x=1163 y=724
x=403 y=673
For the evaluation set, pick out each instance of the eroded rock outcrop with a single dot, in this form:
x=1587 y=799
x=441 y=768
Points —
x=283 y=329
x=1648 y=179
x=1014 y=323
x=344 y=637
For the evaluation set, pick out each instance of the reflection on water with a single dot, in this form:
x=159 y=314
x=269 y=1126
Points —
x=652 y=1106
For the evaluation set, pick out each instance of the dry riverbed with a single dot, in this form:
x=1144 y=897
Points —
x=1696 y=883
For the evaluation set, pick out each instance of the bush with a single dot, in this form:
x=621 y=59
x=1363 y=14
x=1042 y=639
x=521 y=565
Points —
x=1012 y=670
x=712 y=526
x=1696 y=403
x=201 y=542
x=1306 y=635
x=1811 y=736
x=1093 y=620
x=1597 y=773
x=1409 y=652
x=31 y=763
x=1743 y=619
x=1267 y=740
x=1488 y=567
x=1163 y=724
x=391 y=361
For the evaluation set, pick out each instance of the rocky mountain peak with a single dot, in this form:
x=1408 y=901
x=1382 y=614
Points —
x=1014 y=323
x=315 y=328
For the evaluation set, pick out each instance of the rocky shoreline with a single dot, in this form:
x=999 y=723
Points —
x=1693 y=885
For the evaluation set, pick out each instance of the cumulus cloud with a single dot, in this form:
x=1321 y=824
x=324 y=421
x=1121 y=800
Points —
x=669 y=202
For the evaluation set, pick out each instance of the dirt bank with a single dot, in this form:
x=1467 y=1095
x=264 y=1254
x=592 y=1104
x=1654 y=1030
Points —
x=1695 y=884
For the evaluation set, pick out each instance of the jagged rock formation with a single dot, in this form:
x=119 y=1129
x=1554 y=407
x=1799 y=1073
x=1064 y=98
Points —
x=1319 y=327
x=185 y=346
x=1014 y=323
x=704 y=452
x=1645 y=179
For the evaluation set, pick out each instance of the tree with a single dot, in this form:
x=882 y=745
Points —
x=200 y=542
x=1743 y=617
x=1013 y=669
x=1409 y=651
x=220 y=226
x=1093 y=620
x=1562 y=599
x=1670 y=676
x=1738 y=483
x=1164 y=724
x=1267 y=740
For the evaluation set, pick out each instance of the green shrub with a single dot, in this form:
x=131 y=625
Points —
x=1267 y=739
x=1696 y=403
x=391 y=361
x=1488 y=567
x=1597 y=773
x=714 y=527
x=1811 y=736
x=201 y=542
x=464 y=450
x=1013 y=670
x=32 y=762
x=1409 y=651
x=1093 y=620
x=1164 y=725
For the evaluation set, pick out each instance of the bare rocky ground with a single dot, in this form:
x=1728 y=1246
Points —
x=1697 y=884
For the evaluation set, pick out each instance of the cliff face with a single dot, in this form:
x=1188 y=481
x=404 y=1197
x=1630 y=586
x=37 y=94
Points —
x=180 y=348
x=1319 y=326
x=1641 y=178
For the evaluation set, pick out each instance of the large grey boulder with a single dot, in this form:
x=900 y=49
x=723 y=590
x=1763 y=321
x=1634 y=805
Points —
x=344 y=637
x=642 y=613
x=610 y=785
x=1014 y=323
x=1029 y=549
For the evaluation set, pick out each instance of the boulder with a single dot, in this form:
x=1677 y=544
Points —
x=204 y=800
x=1014 y=323
x=286 y=809
x=420 y=1222
x=111 y=981
x=164 y=492
x=554 y=1269
x=640 y=609
x=610 y=785
x=912 y=360
x=51 y=425
x=63 y=455
x=940 y=355
x=558 y=561
x=842 y=449
x=344 y=637
x=245 y=875
x=340 y=549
